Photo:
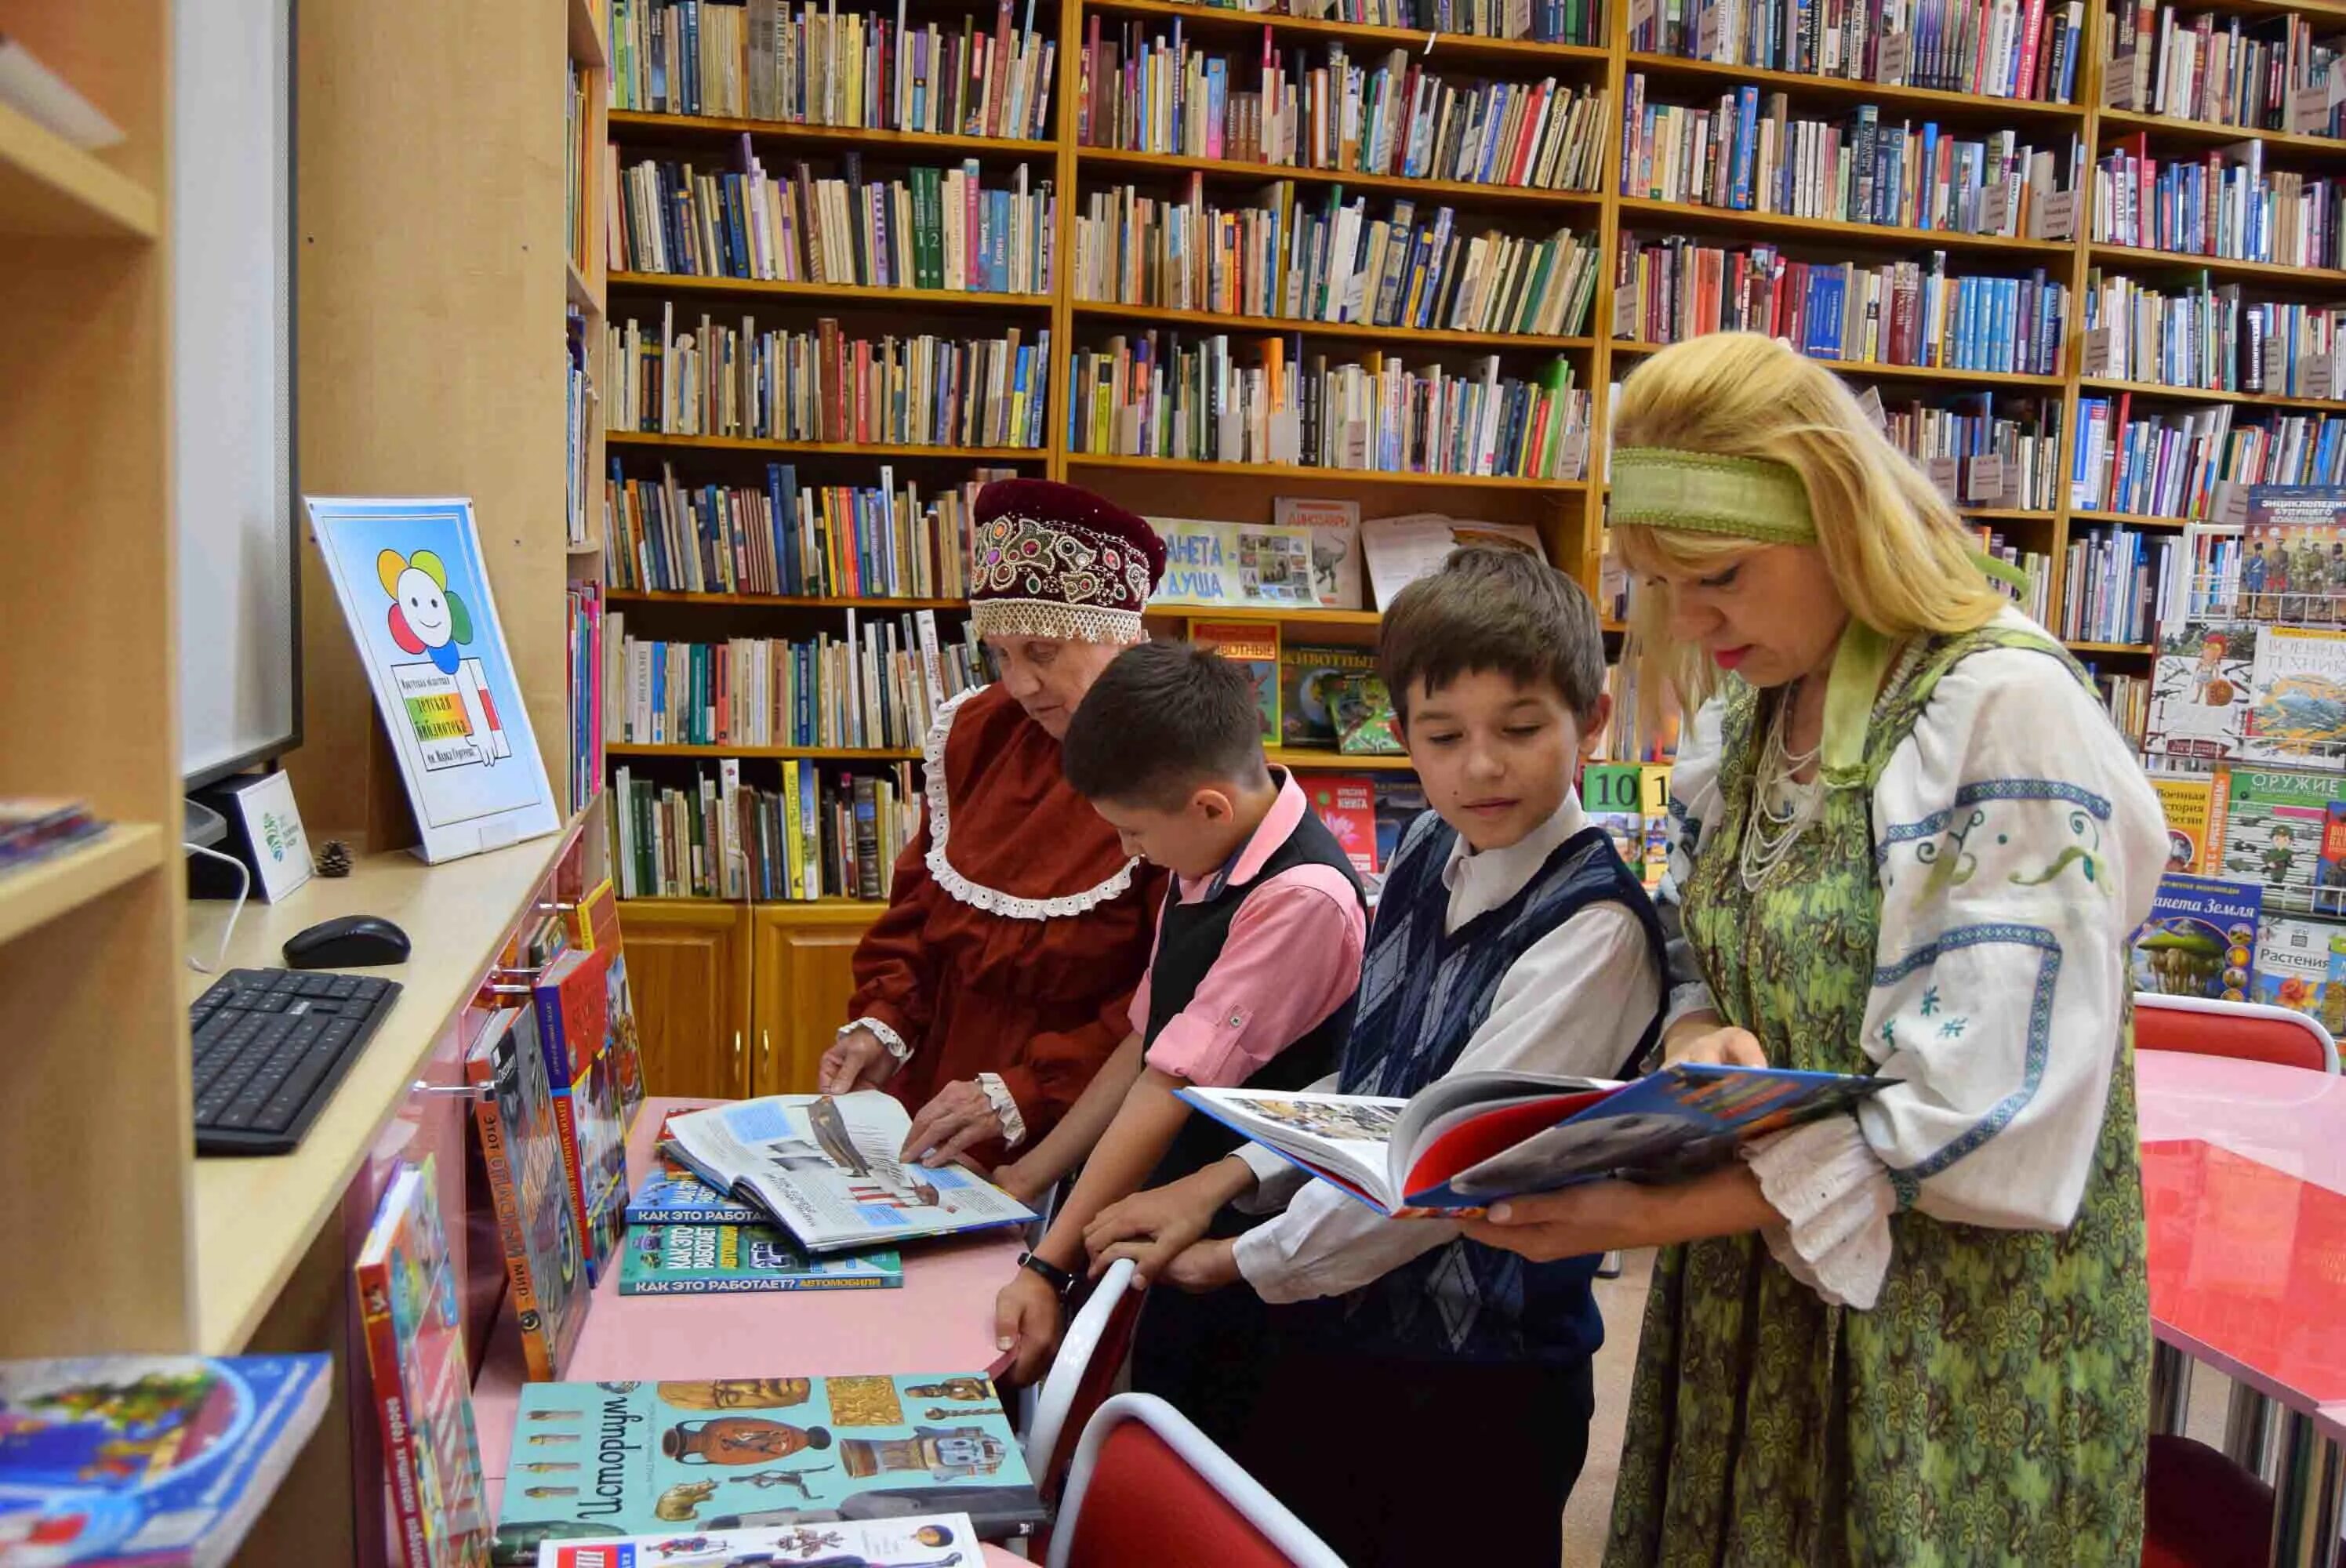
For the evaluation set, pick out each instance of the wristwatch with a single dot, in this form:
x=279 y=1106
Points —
x=1059 y=1279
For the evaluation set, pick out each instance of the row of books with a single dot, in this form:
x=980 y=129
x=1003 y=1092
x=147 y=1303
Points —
x=2171 y=464
x=2254 y=691
x=1159 y=93
x=2126 y=698
x=2208 y=337
x=578 y=427
x=1541 y=21
x=829 y=541
x=583 y=622
x=925 y=229
x=1980 y=459
x=1338 y=263
x=820 y=834
x=822 y=66
x=877 y=687
x=2258 y=72
x=2224 y=204
x=1138 y=397
x=823 y=385
x=1995 y=49
x=2112 y=583
x=1897 y=313
x=1745 y=157
x=2034 y=592
x=578 y=157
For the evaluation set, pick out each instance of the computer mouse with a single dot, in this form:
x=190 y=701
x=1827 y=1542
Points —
x=347 y=942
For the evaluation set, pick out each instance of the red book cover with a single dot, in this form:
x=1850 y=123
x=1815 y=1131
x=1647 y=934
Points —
x=1347 y=803
x=572 y=1003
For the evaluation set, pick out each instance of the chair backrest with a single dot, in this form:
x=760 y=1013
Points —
x=2247 y=1030
x=1148 y=1489
x=1091 y=1354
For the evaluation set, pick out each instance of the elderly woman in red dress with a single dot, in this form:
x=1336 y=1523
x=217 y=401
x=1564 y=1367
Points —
x=1001 y=975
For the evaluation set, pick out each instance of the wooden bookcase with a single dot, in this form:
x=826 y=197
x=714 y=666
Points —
x=797 y=949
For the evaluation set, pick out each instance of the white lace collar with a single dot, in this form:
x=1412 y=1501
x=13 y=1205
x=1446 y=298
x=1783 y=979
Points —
x=993 y=900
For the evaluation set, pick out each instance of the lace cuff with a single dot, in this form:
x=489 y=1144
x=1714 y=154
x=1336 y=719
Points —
x=997 y=1094
x=885 y=1035
x=1834 y=1194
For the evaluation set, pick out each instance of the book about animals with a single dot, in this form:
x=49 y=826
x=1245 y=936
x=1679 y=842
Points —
x=408 y=1301
x=2301 y=965
x=722 y=1259
x=1347 y=804
x=521 y=1149
x=1366 y=725
x=2187 y=802
x=147 y=1459
x=1401 y=550
x=1211 y=564
x=1470 y=1141
x=592 y=1460
x=1335 y=528
x=2199 y=690
x=1254 y=645
x=2200 y=939
x=824 y=1167
x=573 y=1000
x=934 y=1541
x=595 y=925
x=2272 y=829
x=673 y=1194
x=2297 y=697
x=413 y=586
x=1309 y=679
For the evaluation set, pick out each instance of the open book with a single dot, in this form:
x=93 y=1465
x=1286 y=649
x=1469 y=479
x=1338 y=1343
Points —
x=1467 y=1142
x=825 y=1168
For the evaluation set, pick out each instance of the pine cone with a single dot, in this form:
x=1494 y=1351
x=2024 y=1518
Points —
x=334 y=859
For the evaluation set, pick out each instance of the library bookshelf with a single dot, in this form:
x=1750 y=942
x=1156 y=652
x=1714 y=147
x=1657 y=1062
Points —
x=703 y=939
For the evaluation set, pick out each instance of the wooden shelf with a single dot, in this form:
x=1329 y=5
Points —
x=2205 y=394
x=1267 y=613
x=1439 y=47
x=582 y=293
x=50 y=188
x=718 y=126
x=1158 y=163
x=776 y=601
x=1874 y=370
x=587 y=32
x=1839 y=89
x=842 y=294
x=2110 y=647
x=1351 y=331
x=804 y=753
x=1888 y=235
x=2126 y=520
x=2006 y=514
x=1310 y=759
x=36 y=894
x=893 y=452
x=2201 y=134
x=1300 y=472
x=2278 y=272
x=872 y=906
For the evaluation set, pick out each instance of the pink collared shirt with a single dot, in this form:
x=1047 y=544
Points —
x=1293 y=957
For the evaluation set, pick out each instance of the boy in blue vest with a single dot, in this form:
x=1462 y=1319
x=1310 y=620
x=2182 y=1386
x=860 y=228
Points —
x=1508 y=935
x=1257 y=959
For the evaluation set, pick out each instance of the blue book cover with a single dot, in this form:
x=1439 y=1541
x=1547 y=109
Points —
x=1746 y=143
x=2200 y=939
x=148 y=1459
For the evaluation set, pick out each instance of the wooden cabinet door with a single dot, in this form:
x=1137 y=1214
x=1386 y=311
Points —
x=802 y=959
x=688 y=971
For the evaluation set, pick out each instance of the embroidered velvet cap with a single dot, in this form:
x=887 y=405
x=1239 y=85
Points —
x=1051 y=560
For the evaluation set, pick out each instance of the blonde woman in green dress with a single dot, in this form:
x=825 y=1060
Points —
x=1908 y=841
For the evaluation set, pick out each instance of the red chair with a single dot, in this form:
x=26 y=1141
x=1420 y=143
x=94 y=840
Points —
x=1150 y=1491
x=2247 y=1030
x=1090 y=1354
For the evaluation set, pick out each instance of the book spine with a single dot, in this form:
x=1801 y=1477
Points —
x=537 y=1346
x=393 y=1413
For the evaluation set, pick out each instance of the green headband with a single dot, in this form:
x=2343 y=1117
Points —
x=1744 y=497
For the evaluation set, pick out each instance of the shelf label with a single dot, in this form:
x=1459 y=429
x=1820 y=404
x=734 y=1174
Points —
x=2125 y=84
x=1984 y=487
x=1942 y=474
x=1626 y=314
x=2097 y=352
x=1707 y=32
x=1892 y=59
x=1995 y=208
x=1575 y=460
x=2228 y=504
x=2053 y=216
x=1641 y=14
x=2309 y=109
x=1869 y=400
x=2320 y=378
x=2274 y=363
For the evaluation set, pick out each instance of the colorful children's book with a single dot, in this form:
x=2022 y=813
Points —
x=1309 y=679
x=2301 y=965
x=1630 y=800
x=673 y=1195
x=147 y=1459
x=2199 y=690
x=595 y=924
x=407 y=1291
x=573 y=998
x=2188 y=801
x=933 y=1541
x=1469 y=1141
x=2295 y=566
x=2297 y=697
x=2329 y=872
x=1255 y=644
x=1220 y=565
x=718 y=1259
x=521 y=1147
x=825 y=1169
x=2200 y=939
x=1335 y=545
x=2272 y=829
x=756 y=1453
x=1347 y=803
x=1366 y=725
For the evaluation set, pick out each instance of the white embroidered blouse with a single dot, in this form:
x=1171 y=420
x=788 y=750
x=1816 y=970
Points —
x=1997 y=998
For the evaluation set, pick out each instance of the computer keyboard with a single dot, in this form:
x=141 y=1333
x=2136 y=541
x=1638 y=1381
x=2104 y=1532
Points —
x=270 y=1045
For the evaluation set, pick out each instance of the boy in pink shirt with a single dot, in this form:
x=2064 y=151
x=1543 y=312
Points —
x=1251 y=983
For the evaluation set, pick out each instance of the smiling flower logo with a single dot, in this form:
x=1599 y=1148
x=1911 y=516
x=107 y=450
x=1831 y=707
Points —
x=425 y=617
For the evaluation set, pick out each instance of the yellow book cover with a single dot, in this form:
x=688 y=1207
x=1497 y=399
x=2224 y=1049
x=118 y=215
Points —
x=2189 y=803
x=1254 y=644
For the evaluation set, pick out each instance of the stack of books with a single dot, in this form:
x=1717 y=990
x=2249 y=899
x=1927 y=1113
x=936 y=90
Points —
x=34 y=830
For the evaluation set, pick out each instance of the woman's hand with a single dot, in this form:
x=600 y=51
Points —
x=1705 y=1037
x=858 y=1059
x=1152 y=1228
x=959 y=1119
x=1027 y=1322
x=1209 y=1265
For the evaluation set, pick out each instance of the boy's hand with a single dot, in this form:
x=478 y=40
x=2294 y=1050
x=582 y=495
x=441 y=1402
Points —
x=1726 y=1047
x=1028 y=1322
x=1209 y=1265
x=1150 y=1227
x=858 y=1059
x=1019 y=1183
